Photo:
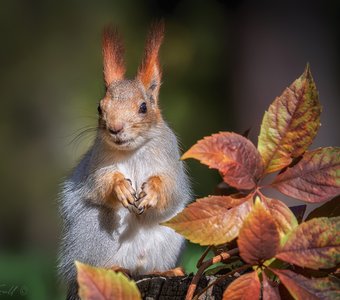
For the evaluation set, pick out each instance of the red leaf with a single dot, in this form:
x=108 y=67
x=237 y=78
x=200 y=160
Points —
x=233 y=155
x=290 y=124
x=314 y=244
x=99 y=283
x=259 y=237
x=214 y=220
x=304 y=288
x=315 y=178
x=270 y=292
x=244 y=288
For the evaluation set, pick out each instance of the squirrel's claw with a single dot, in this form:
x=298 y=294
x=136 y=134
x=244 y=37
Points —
x=140 y=210
x=133 y=209
x=147 y=198
x=125 y=193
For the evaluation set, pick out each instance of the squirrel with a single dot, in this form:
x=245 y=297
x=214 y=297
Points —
x=130 y=180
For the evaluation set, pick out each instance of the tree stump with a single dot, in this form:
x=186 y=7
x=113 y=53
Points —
x=175 y=288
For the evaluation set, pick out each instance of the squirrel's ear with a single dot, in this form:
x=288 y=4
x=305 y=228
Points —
x=149 y=72
x=113 y=55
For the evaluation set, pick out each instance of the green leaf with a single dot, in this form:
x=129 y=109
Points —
x=314 y=244
x=290 y=124
x=213 y=220
x=233 y=155
x=303 y=288
x=104 y=284
x=259 y=237
x=223 y=268
x=315 y=178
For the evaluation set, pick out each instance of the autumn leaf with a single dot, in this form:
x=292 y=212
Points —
x=290 y=124
x=245 y=287
x=284 y=218
x=315 y=178
x=99 y=283
x=314 y=244
x=233 y=155
x=259 y=238
x=270 y=292
x=303 y=288
x=212 y=220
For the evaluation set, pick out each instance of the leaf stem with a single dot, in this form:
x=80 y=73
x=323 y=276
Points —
x=244 y=267
x=258 y=191
x=216 y=259
x=200 y=261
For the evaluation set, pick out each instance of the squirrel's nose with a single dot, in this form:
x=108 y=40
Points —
x=115 y=129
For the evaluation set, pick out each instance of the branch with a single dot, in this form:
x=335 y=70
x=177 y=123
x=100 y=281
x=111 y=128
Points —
x=200 y=261
x=216 y=259
x=244 y=267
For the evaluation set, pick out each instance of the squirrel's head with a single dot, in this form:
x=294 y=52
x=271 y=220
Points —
x=129 y=112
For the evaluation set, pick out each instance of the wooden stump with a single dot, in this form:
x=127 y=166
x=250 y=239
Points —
x=175 y=288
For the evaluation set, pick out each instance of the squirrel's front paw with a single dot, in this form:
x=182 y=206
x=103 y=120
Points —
x=150 y=194
x=124 y=192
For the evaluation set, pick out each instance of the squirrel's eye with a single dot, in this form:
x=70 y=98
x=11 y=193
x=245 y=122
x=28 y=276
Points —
x=143 y=109
x=99 y=109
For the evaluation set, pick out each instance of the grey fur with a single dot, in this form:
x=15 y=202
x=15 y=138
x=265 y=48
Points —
x=98 y=235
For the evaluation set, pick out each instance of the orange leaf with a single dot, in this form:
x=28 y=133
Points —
x=99 y=283
x=233 y=155
x=212 y=220
x=290 y=124
x=284 y=218
x=270 y=292
x=315 y=178
x=314 y=244
x=243 y=288
x=303 y=288
x=259 y=238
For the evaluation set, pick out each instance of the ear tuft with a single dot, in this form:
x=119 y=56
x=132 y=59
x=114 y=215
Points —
x=113 y=55
x=149 y=72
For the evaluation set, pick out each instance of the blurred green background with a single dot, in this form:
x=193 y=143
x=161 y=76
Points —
x=223 y=63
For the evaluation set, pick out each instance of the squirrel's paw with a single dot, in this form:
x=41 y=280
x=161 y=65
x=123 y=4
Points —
x=125 y=193
x=149 y=195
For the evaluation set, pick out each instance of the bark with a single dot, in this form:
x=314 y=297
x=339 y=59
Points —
x=175 y=288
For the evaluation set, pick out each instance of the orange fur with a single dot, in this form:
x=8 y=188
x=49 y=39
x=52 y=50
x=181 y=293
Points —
x=113 y=55
x=150 y=66
x=156 y=188
x=117 y=269
x=179 y=271
x=105 y=183
x=113 y=187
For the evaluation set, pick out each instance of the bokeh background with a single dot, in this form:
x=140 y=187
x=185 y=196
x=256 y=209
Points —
x=224 y=62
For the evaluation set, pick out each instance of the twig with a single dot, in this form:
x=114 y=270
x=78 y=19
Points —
x=200 y=261
x=244 y=267
x=216 y=259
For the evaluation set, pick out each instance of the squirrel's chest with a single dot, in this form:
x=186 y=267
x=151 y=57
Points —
x=138 y=170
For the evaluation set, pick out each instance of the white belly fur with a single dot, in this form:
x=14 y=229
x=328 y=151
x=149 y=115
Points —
x=144 y=247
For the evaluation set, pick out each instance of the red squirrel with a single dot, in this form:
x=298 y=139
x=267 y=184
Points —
x=130 y=180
